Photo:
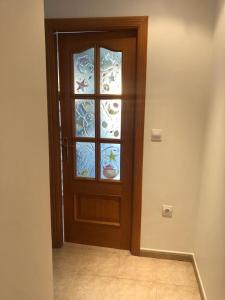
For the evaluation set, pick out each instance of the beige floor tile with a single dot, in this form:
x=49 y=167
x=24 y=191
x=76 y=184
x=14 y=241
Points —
x=109 y=266
x=106 y=288
x=93 y=288
x=132 y=290
x=171 y=292
x=124 y=252
x=126 y=290
x=94 y=273
x=146 y=269
x=63 y=283
x=175 y=272
x=102 y=250
x=137 y=268
x=89 y=248
x=127 y=267
x=69 y=263
x=91 y=264
x=145 y=291
x=84 y=288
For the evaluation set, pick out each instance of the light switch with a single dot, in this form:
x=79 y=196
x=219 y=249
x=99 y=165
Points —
x=156 y=135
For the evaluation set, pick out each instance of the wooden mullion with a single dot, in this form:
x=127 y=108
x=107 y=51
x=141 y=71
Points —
x=97 y=96
x=83 y=96
x=110 y=141
x=84 y=139
x=109 y=97
x=98 y=157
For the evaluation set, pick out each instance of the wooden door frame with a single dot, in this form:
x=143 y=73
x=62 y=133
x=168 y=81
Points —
x=140 y=25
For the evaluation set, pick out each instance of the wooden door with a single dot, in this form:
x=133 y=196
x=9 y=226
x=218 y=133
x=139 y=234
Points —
x=97 y=86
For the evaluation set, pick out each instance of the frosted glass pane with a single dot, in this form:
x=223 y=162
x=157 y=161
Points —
x=84 y=72
x=110 y=161
x=85 y=159
x=85 y=118
x=110 y=72
x=110 y=119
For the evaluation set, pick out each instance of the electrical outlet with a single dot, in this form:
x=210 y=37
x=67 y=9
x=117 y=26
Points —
x=167 y=211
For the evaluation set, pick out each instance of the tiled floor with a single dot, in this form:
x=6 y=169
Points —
x=94 y=273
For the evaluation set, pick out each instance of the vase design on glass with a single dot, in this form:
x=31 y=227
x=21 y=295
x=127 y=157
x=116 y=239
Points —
x=110 y=161
x=84 y=72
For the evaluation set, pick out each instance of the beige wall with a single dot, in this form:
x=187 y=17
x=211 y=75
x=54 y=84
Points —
x=210 y=235
x=179 y=54
x=25 y=251
x=177 y=93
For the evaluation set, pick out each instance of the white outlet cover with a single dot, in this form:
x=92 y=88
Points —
x=167 y=211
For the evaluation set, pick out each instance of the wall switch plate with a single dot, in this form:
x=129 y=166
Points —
x=156 y=135
x=167 y=211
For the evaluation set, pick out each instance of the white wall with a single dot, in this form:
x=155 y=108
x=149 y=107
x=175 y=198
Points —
x=179 y=55
x=210 y=234
x=25 y=251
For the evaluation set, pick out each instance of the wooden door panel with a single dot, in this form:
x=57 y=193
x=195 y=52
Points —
x=97 y=203
x=97 y=209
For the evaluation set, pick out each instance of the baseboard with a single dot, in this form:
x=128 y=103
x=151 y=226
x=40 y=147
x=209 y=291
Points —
x=199 y=279
x=181 y=256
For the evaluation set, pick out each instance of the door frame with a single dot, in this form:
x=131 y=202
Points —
x=140 y=25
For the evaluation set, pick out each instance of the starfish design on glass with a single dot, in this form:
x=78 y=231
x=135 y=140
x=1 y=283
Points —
x=112 y=156
x=81 y=85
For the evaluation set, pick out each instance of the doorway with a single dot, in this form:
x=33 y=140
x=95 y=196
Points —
x=102 y=87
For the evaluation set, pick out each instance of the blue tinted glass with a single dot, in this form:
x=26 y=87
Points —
x=85 y=118
x=84 y=72
x=110 y=72
x=110 y=114
x=85 y=159
x=110 y=161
